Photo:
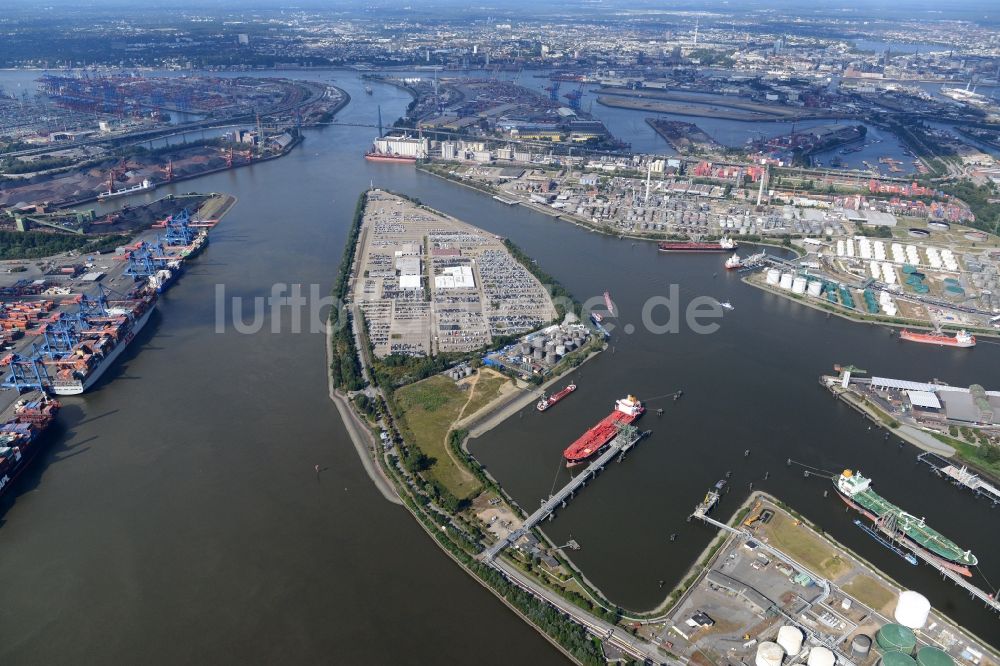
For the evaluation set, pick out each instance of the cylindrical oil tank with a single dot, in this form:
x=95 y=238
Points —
x=769 y=654
x=525 y=348
x=861 y=646
x=561 y=350
x=786 y=281
x=790 y=639
x=896 y=659
x=773 y=275
x=912 y=609
x=932 y=656
x=895 y=638
x=538 y=342
x=799 y=285
x=551 y=358
x=537 y=354
x=815 y=288
x=821 y=656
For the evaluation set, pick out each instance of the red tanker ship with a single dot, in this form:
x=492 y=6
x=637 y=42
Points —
x=626 y=411
x=548 y=401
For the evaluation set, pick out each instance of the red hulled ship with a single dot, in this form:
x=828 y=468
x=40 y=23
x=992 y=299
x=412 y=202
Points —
x=626 y=411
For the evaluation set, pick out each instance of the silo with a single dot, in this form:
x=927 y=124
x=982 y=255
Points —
x=769 y=654
x=932 y=656
x=861 y=646
x=896 y=659
x=895 y=638
x=912 y=609
x=799 y=285
x=821 y=656
x=815 y=288
x=790 y=639
x=773 y=275
x=786 y=281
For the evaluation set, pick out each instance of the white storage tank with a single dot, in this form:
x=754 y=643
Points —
x=769 y=654
x=799 y=285
x=912 y=609
x=790 y=639
x=821 y=656
x=815 y=288
x=773 y=275
x=786 y=281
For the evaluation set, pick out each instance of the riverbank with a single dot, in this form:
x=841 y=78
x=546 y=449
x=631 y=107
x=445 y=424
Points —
x=754 y=280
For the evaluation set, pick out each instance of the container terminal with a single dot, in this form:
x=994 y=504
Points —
x=61 y=338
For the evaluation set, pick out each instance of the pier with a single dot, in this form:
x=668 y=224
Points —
x=960 y=476
x=627 y=437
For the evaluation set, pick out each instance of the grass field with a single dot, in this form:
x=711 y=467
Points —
x=487 y=389
x=869 y=591
x=430 y=407
x=805 y=546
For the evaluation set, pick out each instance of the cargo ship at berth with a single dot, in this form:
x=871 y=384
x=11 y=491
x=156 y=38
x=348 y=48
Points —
x=144 y=186
x=962 y=339
x=596 y=438
x=548 y=401
x=913 y=532
x=107 y=334
x=376 y=156
x=20 y=437
x=724 y=244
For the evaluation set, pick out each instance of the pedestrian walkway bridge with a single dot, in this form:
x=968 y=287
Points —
x=626 y=438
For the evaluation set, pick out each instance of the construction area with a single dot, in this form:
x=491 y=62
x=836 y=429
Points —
x=428 y=283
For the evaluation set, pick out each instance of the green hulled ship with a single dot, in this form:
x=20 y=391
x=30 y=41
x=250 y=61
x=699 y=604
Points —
x=856 y=491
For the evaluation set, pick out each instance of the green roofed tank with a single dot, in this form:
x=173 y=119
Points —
x=932 y=656
x=897 y=659
x=895 y=638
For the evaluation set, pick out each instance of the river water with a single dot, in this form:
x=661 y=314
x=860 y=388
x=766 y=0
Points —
x=178 y=517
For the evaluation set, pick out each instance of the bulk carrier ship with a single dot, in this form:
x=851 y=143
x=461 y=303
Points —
x=724 y=244
x=962 y=339
x=856 y=491
x=625 y=412
x=20 y=437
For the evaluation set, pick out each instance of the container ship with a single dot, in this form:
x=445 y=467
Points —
x=144 y=186
x=625 y=412
x=961 y=339
x=99 y=338
x=20 y=437
x=856 y=491
x=548 y=401
x=724 y=244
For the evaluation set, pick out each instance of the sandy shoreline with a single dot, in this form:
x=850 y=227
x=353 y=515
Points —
x=361 y=436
